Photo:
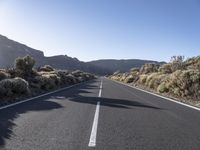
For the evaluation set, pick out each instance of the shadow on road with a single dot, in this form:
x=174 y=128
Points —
x=81 y=94
x=118 y=103
x=9 y=115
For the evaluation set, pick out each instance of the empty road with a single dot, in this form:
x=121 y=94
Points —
x=102 y=115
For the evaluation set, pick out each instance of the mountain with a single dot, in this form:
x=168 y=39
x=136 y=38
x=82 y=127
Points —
x=122 y=65
x=10 y=50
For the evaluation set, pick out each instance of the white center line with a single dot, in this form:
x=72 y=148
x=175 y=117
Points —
x=92 y=142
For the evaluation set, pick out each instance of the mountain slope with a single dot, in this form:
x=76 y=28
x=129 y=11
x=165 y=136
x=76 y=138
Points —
x=10 y=50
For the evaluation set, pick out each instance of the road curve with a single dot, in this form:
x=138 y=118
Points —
x=124 y=119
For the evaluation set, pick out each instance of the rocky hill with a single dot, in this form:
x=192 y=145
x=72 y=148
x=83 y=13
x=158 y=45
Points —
x=10 y=50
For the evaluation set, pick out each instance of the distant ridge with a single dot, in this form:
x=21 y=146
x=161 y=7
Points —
x=122 y=65
x=10 y=50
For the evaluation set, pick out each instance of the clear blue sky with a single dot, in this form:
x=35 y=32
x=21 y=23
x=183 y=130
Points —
x=100 y=29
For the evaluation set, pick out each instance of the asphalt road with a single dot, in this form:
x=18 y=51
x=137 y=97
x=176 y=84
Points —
x=124 y=119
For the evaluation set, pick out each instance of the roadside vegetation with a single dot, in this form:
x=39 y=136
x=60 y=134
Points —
x=25 y=81
x=178 y=78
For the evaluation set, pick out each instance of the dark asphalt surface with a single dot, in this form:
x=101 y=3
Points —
x=129 y=119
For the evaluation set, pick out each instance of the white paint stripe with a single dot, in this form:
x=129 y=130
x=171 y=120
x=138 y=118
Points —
x=33 y=98
x=92 y=141
x=166 y=98
x=100 y=89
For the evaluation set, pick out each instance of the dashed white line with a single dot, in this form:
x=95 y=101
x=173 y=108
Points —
x=100 y=90
x=92 y=141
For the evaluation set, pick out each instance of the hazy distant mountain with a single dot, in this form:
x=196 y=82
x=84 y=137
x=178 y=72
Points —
x=122 y=65
x=10 y=50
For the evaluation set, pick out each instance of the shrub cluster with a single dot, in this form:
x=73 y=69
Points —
x=23 y=79
x=46 y=68
x=16 y=86
x=178 y=77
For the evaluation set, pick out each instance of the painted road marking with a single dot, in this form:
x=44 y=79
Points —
x=92 y=141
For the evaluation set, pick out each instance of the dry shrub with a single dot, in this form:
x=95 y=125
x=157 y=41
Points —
x=11 y=72
x=185 y=83
x=149 y=68
x=25 y=64
x=165 y=68
x=163 y=88
x=46 y=68
x=77 y=73
x=124 y=76
x=129 y=79
x=132 y=77
x=134 y=70
x=71 y=79
x=154 y=80
x=117 y=78
x=179 y=78
x=116 y=72
x=63 y=76
x=193 y=63
x=47 y=81
x=177 y=63
x=142 y=79
x=9 y=87
x=4 y=75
